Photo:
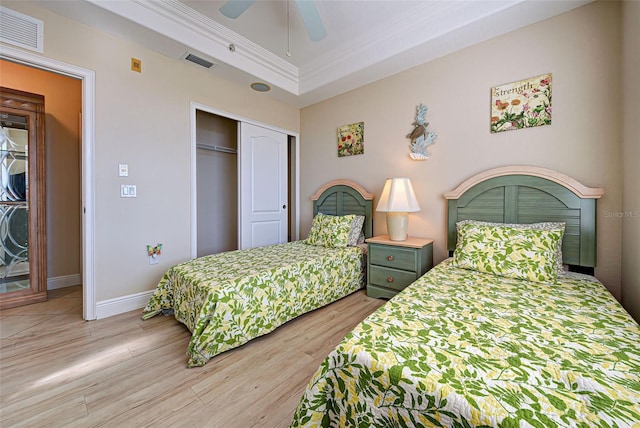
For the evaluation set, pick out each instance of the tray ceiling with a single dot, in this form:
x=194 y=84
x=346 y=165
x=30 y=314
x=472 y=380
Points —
x=366 y=40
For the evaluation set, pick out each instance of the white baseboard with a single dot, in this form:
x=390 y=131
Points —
x=120 y=305
x=105 y=308
x=64 y=281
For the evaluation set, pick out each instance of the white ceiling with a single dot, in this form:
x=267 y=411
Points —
x=366 y=39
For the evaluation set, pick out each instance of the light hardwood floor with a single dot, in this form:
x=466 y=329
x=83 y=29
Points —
x=58 y=370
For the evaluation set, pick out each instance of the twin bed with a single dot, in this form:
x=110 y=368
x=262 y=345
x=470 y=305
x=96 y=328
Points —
x=497 y=335
x=227 y=299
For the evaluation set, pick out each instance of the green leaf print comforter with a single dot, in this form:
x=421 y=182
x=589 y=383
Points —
x=460 y=348
x=230 y=298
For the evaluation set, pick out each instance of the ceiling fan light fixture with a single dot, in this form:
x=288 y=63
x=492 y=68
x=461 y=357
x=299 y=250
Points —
x=260 y=87
x=308 y=12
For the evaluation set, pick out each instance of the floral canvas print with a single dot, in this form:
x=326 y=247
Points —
x=351 y=139
x=522 y=104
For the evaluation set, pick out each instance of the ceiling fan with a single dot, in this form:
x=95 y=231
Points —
x=307 y=8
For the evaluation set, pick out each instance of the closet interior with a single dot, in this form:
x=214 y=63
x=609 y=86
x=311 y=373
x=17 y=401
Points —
x=217 y=183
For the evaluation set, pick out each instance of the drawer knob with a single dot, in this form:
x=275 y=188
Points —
x=390 y=258
x=390 y=279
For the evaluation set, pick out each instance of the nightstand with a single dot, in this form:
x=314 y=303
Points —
x=392 y=265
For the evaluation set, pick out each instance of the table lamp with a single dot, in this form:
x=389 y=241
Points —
x=397 y=200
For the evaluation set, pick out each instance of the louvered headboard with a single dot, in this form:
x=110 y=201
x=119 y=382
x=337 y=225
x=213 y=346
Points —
x=527 y=194
x=342 y=197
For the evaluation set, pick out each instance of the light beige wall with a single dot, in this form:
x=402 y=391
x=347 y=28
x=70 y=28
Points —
x=580 y=49
x=63 y=105
x=143 y=120
x=631 y=152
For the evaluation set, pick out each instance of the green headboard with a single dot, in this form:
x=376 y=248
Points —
x=342 y=197
x=527 y=194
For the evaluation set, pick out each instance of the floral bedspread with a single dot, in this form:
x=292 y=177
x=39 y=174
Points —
x=461 y=348
x=230 y=298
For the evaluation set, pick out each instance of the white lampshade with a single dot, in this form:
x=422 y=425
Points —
x=398 y=196
x=398 y=199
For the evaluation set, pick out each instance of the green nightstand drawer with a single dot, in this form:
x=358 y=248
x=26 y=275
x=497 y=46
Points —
x=391 y=278
x=393 y=265
x=393 y=257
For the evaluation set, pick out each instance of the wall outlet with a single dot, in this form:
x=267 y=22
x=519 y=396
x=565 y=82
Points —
x=154 y=253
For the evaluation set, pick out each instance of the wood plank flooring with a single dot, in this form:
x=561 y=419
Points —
x=57 y=370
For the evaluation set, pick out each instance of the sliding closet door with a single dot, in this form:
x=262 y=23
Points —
x=263 y=186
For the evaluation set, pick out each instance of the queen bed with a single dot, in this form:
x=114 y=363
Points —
x=227 y=299
x=498 y=334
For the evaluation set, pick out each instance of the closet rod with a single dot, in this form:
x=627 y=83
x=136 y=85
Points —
x=221 y=149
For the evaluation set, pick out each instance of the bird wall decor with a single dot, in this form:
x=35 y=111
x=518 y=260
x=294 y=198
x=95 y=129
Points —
x=420 y=137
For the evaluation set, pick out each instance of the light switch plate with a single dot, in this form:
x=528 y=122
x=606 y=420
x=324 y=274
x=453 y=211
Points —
x=128 y=191
x=123 y=170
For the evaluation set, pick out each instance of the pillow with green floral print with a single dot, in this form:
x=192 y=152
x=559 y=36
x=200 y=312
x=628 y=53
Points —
x=508 y=250
x=547 y=225
x=330 y=231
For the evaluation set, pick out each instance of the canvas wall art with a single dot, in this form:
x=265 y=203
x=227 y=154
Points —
x=351 y=139
x=522 y=104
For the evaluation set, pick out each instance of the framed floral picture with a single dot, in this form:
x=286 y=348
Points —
x=522 y=104
x=351 y=139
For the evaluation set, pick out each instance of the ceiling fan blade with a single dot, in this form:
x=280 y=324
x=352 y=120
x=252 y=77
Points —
x=312 y=21
x=234 y=8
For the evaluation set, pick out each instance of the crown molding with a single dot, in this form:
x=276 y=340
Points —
x=403 y=44
x=364 y=52
x=224 y=36
x=179 y=22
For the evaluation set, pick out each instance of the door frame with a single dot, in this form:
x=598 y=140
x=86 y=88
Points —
x=193 y=107
x=88 y=175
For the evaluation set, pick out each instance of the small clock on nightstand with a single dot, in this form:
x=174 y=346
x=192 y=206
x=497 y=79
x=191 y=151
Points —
x=393 y=265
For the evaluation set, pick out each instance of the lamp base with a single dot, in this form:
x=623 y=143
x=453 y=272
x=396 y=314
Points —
x=397 y=226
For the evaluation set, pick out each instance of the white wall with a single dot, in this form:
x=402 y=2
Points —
x=143 y=120
x=580 y=48
x=631 y=155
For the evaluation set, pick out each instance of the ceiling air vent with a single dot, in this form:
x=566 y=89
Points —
x=21 y=30
x=197 y=60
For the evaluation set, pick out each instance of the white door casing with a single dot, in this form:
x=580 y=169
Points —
x=262 y=175
x=89 y=308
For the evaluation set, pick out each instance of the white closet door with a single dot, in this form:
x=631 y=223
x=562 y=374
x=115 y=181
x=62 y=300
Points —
x=263 y=186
